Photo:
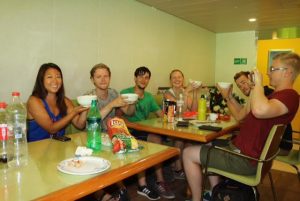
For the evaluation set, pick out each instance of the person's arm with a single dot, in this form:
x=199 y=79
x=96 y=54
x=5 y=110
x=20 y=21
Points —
x=79 y=120
x=158 y=113
x=129 y=110
x=117 y=102
x=191 y=97
x=37 y=111
x=237 y=110
x=191 y=101
x=261 y=106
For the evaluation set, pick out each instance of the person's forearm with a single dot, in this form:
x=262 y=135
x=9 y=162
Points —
x=235 y=108
x=194 y=104
x=129 y=109
x=62 y=123
x=106 y=110
x=80 y=121
x=259 y=102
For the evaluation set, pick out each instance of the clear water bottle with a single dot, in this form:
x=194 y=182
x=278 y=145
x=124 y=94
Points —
x=16 y=124
x=94 y=127
x=180 y=104
x=4 y=149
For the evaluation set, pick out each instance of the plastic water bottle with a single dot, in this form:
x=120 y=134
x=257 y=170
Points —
x=180 y=103
x=202 y=109
x=16 y=124
x=94 y=127
x=4 y=149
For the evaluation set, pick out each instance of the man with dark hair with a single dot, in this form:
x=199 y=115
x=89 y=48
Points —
x=144 y=106
x=259 y=115
x=244 y=83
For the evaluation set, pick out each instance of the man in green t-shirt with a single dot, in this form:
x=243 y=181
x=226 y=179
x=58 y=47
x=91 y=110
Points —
x=144 y=106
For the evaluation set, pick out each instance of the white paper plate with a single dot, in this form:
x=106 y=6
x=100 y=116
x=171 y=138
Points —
x=88 y=165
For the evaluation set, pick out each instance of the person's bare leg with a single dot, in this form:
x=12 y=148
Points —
x=214 y=180
x=193 y=170
x=178 y=163
x=154 y=138
x=158 y=169
x=142 y=179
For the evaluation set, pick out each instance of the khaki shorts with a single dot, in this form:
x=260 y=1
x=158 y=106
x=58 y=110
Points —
x=226 y=161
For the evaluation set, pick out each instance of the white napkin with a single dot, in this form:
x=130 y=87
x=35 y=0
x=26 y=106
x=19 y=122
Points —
x=83 y=151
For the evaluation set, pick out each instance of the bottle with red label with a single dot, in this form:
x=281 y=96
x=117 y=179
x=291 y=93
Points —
x=3 y=136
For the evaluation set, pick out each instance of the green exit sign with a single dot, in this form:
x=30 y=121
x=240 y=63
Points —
x=237 y=61
x=240 y=61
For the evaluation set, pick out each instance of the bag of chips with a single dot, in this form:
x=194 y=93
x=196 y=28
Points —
x=121 y=139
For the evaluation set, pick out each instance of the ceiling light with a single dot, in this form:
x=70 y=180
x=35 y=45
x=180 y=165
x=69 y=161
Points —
x=252 y=19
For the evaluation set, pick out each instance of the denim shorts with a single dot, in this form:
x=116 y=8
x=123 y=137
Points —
x=225 y=161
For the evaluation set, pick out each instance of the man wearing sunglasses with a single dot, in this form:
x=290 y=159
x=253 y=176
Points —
x=258 y=117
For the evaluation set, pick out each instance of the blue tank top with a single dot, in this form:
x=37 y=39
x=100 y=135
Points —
x=36 y=132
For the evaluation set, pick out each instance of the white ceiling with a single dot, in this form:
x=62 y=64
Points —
x=221 y=16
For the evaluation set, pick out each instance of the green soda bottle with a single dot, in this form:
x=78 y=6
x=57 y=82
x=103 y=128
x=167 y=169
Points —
x=94 y=127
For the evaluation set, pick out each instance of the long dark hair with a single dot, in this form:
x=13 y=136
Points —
x=40 y=91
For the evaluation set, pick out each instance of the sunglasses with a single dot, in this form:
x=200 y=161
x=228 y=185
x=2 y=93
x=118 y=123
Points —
x=272 y=69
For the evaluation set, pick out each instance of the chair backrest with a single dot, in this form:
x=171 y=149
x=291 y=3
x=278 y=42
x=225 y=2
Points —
x=270 y=149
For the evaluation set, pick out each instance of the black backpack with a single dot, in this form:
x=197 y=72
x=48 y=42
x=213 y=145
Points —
x=229 y=190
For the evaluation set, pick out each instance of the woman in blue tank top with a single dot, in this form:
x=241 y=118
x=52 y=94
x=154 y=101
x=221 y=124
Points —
x=49 y=111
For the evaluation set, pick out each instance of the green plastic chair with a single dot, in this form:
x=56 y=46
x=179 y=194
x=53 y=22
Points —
x=265 y=160
x=293 y=158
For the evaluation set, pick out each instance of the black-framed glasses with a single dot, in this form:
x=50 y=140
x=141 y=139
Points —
x=272 y=69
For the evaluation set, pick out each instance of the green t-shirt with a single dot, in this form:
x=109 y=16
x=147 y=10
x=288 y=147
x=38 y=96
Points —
x=143 y=107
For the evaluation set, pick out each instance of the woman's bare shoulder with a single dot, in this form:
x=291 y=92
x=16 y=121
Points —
x=34 y=100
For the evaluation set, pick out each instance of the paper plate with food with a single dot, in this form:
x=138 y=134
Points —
x=122 y=140
x=83 y=165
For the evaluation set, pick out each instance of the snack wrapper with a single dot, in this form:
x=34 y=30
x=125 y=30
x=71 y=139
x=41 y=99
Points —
x=121 y=139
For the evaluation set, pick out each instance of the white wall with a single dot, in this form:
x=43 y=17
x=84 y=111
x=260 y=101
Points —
x=76 y=34
x=230 y=46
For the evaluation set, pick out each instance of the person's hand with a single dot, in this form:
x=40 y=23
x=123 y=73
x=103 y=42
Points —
x=257 y=77
x=80 y=109
x=192 y=86
x=120 y=101
x=225 y=92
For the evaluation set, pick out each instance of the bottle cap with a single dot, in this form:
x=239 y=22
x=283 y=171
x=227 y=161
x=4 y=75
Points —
x=15 y=93
x=3 y=105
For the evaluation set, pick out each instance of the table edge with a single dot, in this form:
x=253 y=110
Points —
x=101 y=181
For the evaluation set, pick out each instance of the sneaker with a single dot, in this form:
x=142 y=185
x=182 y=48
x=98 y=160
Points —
x=207 y=196
x=179 y=174
x=123 y=195
x=150 y=194
x=164 y=190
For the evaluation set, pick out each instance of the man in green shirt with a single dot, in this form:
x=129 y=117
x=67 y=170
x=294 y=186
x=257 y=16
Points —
x=144 y=106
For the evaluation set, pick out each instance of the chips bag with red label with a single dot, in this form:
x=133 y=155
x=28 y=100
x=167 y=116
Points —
x=120 y=137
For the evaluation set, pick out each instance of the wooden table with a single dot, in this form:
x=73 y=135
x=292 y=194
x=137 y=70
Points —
x=40 y=179
x=191 y=132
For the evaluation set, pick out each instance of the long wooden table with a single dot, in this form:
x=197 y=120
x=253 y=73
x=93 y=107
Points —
x=156 y=125
x=40 y=179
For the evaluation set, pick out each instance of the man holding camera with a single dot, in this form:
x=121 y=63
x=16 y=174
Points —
x=258 y=117
x=244 y=83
